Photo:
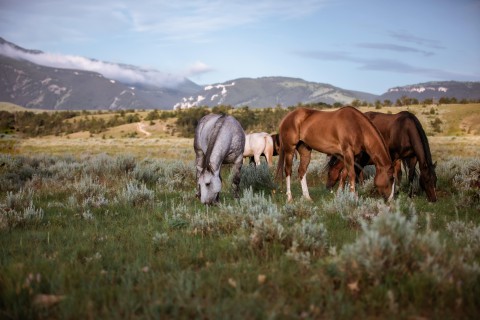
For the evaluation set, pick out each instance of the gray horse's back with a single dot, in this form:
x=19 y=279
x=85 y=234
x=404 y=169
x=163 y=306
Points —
x=230 y=141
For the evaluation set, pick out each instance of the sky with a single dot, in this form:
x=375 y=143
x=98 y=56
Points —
x=369 y=45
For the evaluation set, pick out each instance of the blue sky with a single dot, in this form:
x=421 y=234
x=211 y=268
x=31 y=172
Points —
x=369 y=45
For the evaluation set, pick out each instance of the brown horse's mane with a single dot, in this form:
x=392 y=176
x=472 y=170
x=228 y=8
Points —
x=372 y=126
x=211 y=142
x=423 y=138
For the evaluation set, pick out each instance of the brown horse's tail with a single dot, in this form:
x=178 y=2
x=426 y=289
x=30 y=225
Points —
x=281 y=161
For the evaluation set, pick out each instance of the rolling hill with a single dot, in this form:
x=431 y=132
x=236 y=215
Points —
x=270 y=91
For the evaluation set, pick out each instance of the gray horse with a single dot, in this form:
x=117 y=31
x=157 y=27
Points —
x=218 y=139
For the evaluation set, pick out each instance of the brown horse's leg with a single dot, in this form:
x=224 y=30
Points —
x=397 y=171
x=412 y=163
x=305 y=156
x=349 y=160
x=361 y=178
x=342 y=178
x=288 y=170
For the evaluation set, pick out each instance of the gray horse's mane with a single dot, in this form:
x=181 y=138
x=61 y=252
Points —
x=211 y=142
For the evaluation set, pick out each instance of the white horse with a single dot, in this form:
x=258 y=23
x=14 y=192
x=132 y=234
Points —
x=259 y=143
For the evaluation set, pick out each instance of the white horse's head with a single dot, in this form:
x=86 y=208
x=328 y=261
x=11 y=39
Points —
x=210 y=185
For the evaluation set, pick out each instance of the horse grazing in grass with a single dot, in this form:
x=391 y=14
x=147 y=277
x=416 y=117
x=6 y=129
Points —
x=219 y=139
x=257 y=144
x=344 y=133
x=276 y=147
x=407 y=143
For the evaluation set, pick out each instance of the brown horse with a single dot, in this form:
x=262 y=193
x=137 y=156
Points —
x=407 y=143
x=344 y=133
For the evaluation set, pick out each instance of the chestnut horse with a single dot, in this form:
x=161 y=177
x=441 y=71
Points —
x=407 y=143
x=344 y=133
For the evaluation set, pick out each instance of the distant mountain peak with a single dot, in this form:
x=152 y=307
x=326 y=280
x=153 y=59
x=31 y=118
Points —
x=270 y=92
x=14 y=47
x=435 y=90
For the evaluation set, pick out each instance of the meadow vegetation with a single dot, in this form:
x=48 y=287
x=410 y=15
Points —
x=99 y=227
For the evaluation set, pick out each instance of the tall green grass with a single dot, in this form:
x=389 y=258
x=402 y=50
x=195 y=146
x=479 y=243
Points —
x=116 y=237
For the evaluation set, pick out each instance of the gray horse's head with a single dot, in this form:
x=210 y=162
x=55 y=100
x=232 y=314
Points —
x=210 y=185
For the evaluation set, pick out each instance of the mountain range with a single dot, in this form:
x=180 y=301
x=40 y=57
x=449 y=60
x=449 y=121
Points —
x=32 y=85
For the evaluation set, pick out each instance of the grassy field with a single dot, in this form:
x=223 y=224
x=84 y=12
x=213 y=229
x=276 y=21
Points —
x=102 y=227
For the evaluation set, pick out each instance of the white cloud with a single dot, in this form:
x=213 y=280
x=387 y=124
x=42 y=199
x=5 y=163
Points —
x=123 y=73
x=197 y=68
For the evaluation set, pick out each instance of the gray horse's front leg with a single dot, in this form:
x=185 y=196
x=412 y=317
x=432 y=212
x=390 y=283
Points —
x=237 y=168
x=198 y=165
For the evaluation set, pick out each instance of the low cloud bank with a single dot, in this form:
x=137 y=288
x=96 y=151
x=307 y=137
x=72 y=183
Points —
x=123 y=73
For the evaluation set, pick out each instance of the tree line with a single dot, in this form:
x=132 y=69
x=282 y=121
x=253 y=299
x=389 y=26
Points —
x=31 y=124
x=407 y=101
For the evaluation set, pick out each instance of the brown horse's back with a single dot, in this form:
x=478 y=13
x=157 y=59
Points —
x=344 y=127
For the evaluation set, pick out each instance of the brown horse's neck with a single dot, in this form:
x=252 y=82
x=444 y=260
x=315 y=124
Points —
x=374 y=144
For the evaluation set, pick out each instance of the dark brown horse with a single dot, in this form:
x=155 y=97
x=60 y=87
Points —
x=344 y=133
x=407 y=143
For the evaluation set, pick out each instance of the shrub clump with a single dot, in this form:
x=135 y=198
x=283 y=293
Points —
x=352 y=207
x=391 y=248
x=256 y=177
x=136 y=194
x=18 y=210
